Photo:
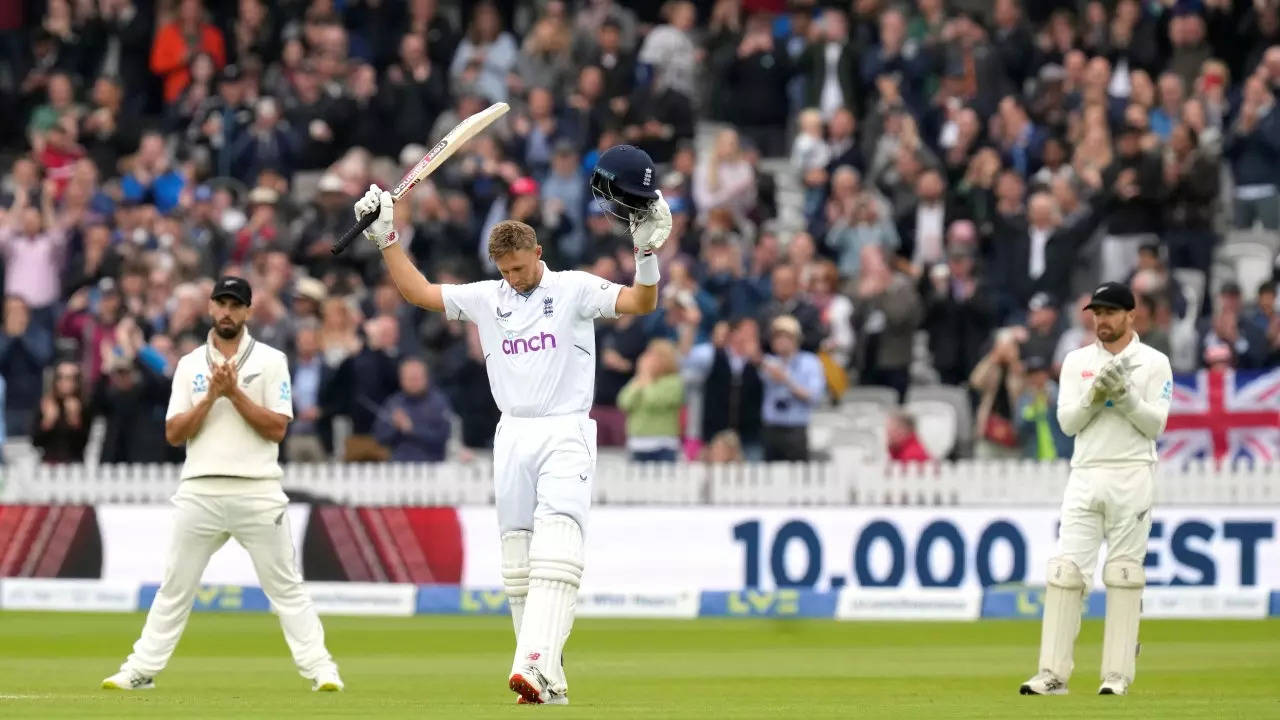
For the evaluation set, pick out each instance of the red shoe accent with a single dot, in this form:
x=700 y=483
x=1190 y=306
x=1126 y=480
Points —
x=525 y=689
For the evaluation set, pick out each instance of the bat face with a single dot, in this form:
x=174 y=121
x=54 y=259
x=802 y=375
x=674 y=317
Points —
x=460 y=134
x=419 y=171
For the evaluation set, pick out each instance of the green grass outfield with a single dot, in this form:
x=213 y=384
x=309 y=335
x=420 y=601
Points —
x=236 y=665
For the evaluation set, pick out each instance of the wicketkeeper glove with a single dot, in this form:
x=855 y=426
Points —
x=1116 y=385
x=381 y=232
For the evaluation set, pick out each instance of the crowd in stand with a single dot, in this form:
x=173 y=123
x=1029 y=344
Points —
x=845 y=177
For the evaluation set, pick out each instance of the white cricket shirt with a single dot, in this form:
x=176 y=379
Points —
x=539 y=347
x=1105 y=435
x=226 y=446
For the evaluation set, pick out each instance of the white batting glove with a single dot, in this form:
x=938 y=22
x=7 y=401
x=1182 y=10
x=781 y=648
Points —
x=649 y=233
x=381 y=232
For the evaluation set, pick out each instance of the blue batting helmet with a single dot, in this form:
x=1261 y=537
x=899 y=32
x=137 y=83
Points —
x=625 y=181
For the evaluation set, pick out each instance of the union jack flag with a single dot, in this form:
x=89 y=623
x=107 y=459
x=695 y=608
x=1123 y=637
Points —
x=1227 y=416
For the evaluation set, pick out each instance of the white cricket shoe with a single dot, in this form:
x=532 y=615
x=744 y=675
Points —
x=530 y=684
x=327 y=681
x=1044 y=683
x=128 y=680
x=1114 y=684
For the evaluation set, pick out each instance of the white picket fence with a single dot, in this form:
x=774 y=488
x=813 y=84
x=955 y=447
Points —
x=620 y=482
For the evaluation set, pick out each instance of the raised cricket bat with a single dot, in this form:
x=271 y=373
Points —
x=447 y=146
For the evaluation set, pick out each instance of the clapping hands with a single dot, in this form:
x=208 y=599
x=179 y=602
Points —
x=223 y=382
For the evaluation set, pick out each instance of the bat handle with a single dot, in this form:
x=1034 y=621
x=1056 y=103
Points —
x=361 y=225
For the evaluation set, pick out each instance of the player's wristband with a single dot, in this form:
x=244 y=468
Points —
x=647 y=269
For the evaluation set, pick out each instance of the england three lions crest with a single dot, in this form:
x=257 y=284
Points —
x=547 y=310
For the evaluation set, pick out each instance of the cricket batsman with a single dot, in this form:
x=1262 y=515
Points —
x=231 y=405
x=536 y=329
x=1114 y=398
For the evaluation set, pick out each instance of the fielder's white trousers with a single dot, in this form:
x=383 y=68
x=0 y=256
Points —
x=203 y=524
x=543 y=466
x=1111 y=503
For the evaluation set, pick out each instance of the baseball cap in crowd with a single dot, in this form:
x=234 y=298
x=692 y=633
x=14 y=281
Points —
x=233 y=287
x=1035 y=363
x=1230 y=287
x=310 y=288
x=785 y=324
x=564 y=146
x=231 y=73
x=1040 y=301
x=329 y=182
x=524 y=186
x=263 y=196
x=1111 y=295
x=1130 y=129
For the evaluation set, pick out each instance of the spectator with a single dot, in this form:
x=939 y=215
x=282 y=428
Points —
x=414 y=91
x=794 y=384
x=564 y=195
x=486 y=55
x=32 y=245
x=788 y=300
x=178 y=42
x=1043 y=332
x=131 y=397
x=835 y=314
x=725 y=179
x=1253 y=146
x=922 y=228
x=3 y=435
x=414 y=422
x=757 y=80
x=998 y=378
x=886 y=314
x=545 y=59
x=26 y=349
x=1136 y=180
x=652 y=401
x=1192 y=182
x=1039 y=434
x=670 y=52
x=830 y=65
x=732 y=389
x=369 y=377
x=904 y=443
x=61 y=428
x=266 y=143
x=1226 y=327
x=108 y=131
x=151 y=179
x=958 y=316
x=617 y=65
x=1264 y=308
x=1145 y=324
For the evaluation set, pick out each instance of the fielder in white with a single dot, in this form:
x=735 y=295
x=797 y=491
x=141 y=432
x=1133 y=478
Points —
x=1114 y=398
x=231 y=404
x=536 y=328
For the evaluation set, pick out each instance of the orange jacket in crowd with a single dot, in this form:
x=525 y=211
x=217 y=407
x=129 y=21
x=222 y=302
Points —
x=169 y=56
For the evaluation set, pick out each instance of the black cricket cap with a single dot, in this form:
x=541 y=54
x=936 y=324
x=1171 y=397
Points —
x=1111 y=295
x=233 y=287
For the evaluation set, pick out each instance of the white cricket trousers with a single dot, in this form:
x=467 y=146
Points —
x=1111 y=503
x=203 y=524
x=543 y=466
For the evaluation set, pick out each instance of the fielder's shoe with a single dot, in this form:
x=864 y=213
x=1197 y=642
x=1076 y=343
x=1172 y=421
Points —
x=1044 y=683
x=128 y=680
x=529 y=683
x=548 y=698
x=1114 y=684
x=327 y=681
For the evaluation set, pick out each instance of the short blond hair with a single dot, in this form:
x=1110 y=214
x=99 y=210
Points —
x=667 y=354
x=510 y=236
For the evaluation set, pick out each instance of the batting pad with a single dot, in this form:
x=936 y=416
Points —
x=515 y=572
x=555 y=571
x=1124 y=580
x=1063 y=603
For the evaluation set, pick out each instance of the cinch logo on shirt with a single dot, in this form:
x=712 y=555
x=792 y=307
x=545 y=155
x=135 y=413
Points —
x=545 y=341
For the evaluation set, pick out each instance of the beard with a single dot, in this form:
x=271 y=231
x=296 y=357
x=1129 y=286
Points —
x=228 y=332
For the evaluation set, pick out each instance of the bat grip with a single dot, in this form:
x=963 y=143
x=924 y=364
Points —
x=361 y=225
